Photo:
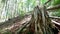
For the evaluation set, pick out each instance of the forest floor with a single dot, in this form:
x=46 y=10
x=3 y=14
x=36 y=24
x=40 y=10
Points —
x=19 y=24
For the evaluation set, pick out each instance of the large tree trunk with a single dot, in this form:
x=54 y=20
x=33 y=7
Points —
x=42 y=22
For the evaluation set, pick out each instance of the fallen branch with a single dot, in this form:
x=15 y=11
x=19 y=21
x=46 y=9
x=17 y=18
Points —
x=24 y=26
x=53 y=7
x=55 y=22
x=54 y=17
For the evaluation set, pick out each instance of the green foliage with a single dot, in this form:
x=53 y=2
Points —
x=4 y=1
x=22 y=13
x=56 y=2
x=43 y=1
x=56 y=12
x=24 y=6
